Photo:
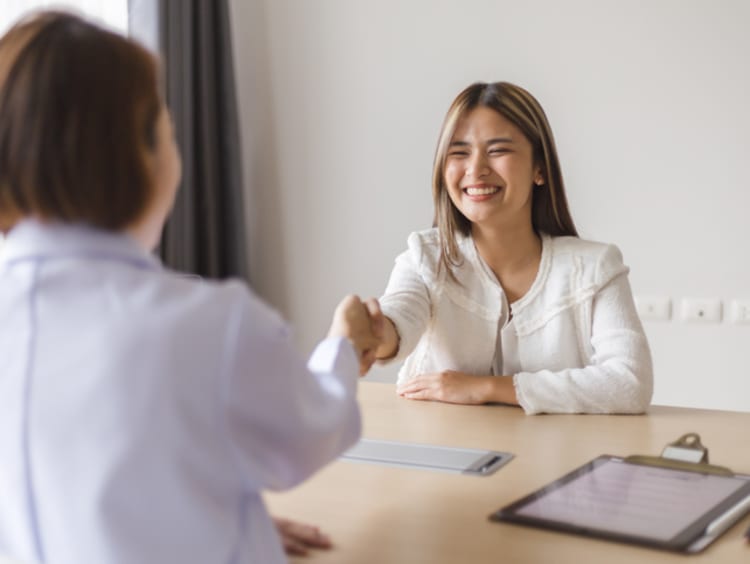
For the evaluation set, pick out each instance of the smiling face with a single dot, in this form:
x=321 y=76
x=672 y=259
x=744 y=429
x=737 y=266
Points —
x=489 y=170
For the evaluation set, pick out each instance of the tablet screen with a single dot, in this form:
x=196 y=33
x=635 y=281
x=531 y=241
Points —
x=630 y=501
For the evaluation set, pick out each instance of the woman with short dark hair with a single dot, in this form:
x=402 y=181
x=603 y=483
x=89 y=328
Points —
x=141 y=412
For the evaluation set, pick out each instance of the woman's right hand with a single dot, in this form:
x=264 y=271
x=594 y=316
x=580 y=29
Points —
x=389 y=337
x=361 y=323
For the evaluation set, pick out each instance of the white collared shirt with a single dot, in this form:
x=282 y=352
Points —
x=580 y=346
x=143 y=412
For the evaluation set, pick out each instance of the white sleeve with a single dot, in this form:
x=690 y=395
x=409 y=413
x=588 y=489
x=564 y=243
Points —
x=284 y=419
x=407 y=301
x=619 y=377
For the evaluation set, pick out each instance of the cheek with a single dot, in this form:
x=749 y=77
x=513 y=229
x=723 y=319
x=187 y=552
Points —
x=452 y=175
x=522 y=168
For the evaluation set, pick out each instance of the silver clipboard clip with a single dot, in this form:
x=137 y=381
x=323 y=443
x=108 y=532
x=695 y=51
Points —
x=686 y=453
x=688 y=448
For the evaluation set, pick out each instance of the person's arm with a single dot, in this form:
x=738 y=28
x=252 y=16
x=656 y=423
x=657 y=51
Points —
x=406 y=305
x=285 y=418
x=619 y=377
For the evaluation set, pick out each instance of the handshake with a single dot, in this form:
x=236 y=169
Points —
x=364 y=325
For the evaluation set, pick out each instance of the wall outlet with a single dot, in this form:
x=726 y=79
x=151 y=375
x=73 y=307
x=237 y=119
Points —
x=701 y=310
x=739 y=311
x=653 y=308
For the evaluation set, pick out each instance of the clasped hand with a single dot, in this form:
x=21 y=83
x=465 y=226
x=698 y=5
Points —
x=362 y=323
x=373 y=336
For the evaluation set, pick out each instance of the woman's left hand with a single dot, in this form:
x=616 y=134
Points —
x=449 y=386
x=299 y=538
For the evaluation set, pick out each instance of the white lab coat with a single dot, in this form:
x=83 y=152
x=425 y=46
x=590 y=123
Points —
x=580 y=344
x=143 y=412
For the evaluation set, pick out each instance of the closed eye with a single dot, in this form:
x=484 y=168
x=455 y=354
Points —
x=499 y=145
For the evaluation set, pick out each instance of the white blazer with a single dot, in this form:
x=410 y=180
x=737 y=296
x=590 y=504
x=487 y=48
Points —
x=143 y=412
x=581 y=345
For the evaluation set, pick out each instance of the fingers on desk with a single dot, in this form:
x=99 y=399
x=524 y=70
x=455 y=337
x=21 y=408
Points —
x=299 y=538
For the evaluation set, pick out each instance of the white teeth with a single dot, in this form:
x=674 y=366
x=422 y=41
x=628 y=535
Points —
x=481 y=191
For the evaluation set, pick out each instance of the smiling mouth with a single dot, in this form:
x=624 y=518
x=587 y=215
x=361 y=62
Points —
x=481 y=190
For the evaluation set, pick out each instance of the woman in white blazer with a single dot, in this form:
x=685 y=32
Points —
x=501 y=301
x=142 y=412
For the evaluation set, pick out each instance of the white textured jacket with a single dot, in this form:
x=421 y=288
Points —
x=581 y=345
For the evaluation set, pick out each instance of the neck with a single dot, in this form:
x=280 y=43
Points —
x=146 y=232
x=507 y=249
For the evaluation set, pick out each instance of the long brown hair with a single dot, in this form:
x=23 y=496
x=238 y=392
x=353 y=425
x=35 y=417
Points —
x=549 y=211
x=78 y=111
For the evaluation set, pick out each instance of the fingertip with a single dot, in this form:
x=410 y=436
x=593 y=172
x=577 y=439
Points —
x=325 y=541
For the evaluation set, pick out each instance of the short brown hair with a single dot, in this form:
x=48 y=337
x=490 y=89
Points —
x=549 y=207
x=78 y=111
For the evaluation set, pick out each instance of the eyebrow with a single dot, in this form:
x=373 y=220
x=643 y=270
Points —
x=492 y=141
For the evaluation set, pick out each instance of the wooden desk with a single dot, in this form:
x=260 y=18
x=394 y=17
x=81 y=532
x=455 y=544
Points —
x=383 y=515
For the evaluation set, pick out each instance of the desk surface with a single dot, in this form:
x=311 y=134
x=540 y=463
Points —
x=384 y=515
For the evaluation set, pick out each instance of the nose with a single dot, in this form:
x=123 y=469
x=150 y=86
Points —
x=477 y=165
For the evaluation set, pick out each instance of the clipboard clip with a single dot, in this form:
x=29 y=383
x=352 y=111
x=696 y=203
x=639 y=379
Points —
x=687 y=448
x=686 y=453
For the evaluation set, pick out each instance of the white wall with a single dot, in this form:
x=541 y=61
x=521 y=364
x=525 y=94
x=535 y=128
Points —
x=342 y=101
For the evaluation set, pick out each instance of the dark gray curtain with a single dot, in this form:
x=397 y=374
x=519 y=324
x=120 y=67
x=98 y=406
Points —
x=206 y=233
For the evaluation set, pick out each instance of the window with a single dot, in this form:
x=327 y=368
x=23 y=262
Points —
x=111 y=13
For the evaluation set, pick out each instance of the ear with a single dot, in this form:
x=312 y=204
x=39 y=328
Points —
x=538 y=177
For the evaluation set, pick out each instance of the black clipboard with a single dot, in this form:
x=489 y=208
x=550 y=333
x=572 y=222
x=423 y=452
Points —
x=676 y=501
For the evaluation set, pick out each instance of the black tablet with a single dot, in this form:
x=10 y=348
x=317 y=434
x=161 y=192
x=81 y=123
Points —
x=615 y=499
